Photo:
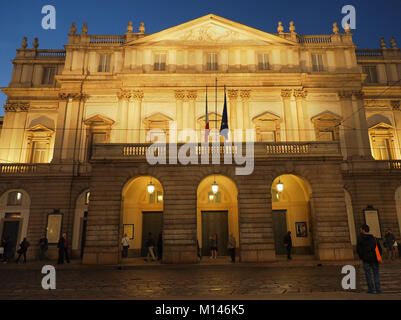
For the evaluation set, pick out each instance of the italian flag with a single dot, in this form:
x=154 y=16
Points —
x=207 y=122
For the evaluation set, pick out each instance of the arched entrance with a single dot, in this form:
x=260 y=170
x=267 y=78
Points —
x=217 y=212
x=142 y=212
x=291 y=211
x=80 y=223
x=14 y=216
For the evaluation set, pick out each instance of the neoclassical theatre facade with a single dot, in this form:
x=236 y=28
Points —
x=324 y=118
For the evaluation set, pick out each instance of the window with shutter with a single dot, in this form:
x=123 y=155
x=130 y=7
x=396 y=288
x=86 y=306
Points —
x=371 y=72
x=211 y=62
x=104 y=63
x=48 y=75
x=159 y=62
x=317 y=62
x=263 y=61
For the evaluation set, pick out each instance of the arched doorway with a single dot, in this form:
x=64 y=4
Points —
x=14 y=216
x=142 y=212
x=80 y=221
x=217 y=212
x=398 y=206
x=291 y=211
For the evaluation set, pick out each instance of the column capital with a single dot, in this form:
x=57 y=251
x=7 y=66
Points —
x=232 y=94
x=345 y=94
x=300 y=93
x=79 y=97
x=395 y=105
x=245 y=94
x=192 y=94
x=286 y=93
x=17 y=107
x=124 y=95
x=179 y=94
x=136 y=95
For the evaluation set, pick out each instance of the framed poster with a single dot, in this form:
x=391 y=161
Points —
x=301 y=229
x=372 y=220
x=53 y=229
x=129 y=230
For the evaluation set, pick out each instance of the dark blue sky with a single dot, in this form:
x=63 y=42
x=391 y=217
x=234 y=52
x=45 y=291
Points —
x=19 y=18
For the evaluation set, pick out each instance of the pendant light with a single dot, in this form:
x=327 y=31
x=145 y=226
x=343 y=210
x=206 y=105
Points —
x=215 y=186
x=280 y=186
x=151 y=187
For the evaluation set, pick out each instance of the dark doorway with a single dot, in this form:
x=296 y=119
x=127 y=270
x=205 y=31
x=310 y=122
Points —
x=10 y=229
x=83 y=235
x=215 y=222
x=152 y=222
x=280 y=230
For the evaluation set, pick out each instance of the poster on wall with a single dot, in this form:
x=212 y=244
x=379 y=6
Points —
x=372 y=220
x=53 y=229
x=301 y=229
x=129 y=230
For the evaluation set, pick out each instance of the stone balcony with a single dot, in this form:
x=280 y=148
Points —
x=261 y=150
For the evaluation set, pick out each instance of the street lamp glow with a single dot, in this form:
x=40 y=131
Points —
x=151 y=188
x=280 y=186
x=215 y=187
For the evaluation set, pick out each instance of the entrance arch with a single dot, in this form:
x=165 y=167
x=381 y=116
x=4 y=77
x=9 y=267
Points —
x=291 y=211
x=217 y=213
x=142 y=212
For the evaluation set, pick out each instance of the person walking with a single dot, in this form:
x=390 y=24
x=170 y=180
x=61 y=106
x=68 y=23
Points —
x=198 y=250
x=63 y=249
x=150 y=245
x=231 y=247
x=43 y=246
x=213 y=246
x=125 y=243
x=366 y=245
x=389 y=241
x=288 y=244
x=23 y=247
x=160 y=247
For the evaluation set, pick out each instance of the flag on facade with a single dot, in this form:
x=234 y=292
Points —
x=207 y=122
x=224 y=119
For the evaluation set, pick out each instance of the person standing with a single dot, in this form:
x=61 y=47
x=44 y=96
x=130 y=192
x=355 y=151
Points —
x=125 y=243
x=366 y=246
x=150 y=245
x=198 y=250
x=389 y=241
x=63 y=249
x=43 y=246
x=288 y=244
x=23 y=247
x=213 y=246
x=160 y=247
x=231 y=247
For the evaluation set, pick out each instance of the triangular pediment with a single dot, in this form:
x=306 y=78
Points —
x=212 y=30
x=157 y=117
x=381 y=126
x=40 y=128
x=326 y=116
x=98 y=119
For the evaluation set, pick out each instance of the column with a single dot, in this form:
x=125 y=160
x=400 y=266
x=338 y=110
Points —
x=18 y=131
x=233 y=124
x=10 y=112
x=302 y=115
x=122 y=116
x=286 y=96
x=135 y=116
x=364 y=149
x=191 y=96
x=395 y=106
x=179 y=101
x=245 y=95
x=349 y=145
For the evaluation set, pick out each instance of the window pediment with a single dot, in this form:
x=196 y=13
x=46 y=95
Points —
x=98 y=120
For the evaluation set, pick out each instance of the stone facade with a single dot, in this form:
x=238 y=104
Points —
x=82 y=119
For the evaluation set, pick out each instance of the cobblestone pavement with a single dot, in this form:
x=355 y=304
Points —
x=152 y=281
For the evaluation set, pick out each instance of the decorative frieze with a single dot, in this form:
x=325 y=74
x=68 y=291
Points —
x=179 y=94
x=137 y=95
x=17 y=107
x=300 y=93
x=232 y=94
x=245 y=94
x=124 y=95
x=395 y=105
x=73 y=96
x=192 y=94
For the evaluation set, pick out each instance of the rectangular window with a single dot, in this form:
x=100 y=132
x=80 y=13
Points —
x=317 y=62
x=211 y=62
x=371 y=73
x=159 y=62
x=263 y=61
x=325 y=136
x=104 y=63
x=39 y=152
x=48 y=75
x=383 y=148
x=14 y=198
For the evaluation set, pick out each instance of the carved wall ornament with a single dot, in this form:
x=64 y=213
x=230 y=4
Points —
x=137 y=95
x=35 y=43
x=335 y=28
x=286 y=93
x=292 y=27
x=393 y=44
x=345 y=94
x=208 y=33
x=179 y=94
x=300 y=93
x=382 y=43
x=245 y=94
x=280 y=28
x=142 y=28
x=17 y=107
x=24 y=43
x=232 y=94
x=85 y=29
x=130 y=27
x=192 y=94
x=124 y=95
x=73 y=29
x=395 y=104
